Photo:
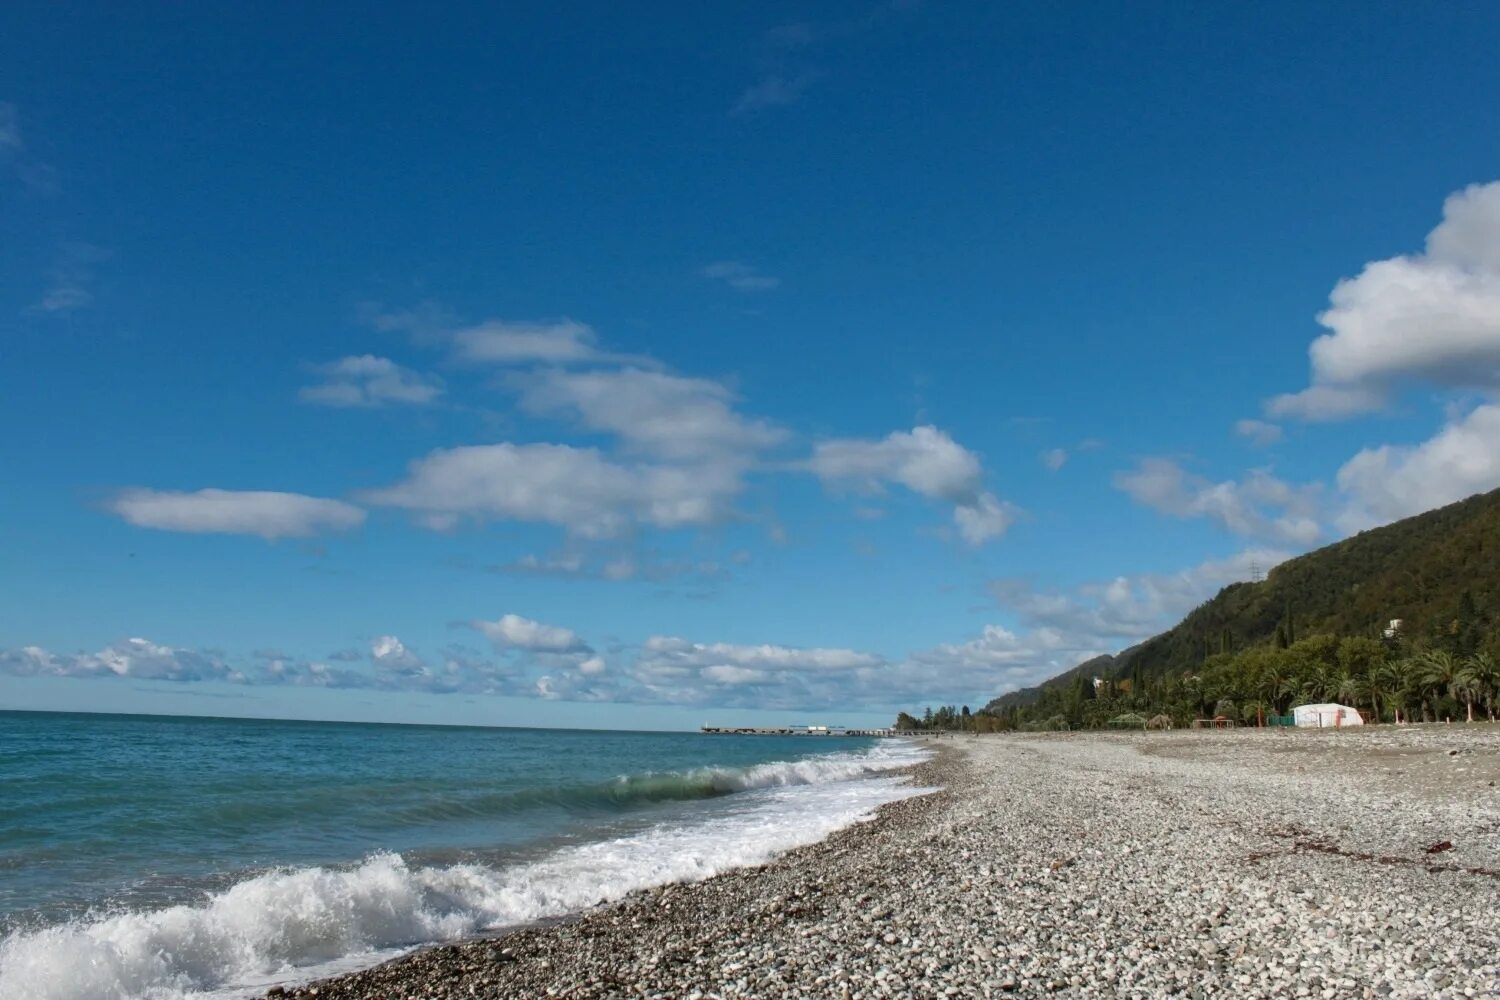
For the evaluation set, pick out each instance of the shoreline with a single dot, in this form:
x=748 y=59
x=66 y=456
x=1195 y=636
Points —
x=497 y=962
x=1135 y=865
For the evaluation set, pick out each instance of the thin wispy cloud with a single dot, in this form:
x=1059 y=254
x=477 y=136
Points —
x=36 y=176
x=740 y=276
x=1259 y=433
x=10 y=129
x=367 y=381
x=773 y=91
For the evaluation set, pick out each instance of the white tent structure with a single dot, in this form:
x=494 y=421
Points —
x=1326 y=716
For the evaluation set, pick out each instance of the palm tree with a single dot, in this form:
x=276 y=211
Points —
x=1486 y=673
x=1349 y=689
x=1276 y=685
x=1467 y=687
x=1377 y=689
x=1253 y=711
x=1440 y=673
x=1320 y=684
x=1396 y=679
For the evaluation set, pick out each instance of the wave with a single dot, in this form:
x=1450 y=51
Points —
x=633 y=790
x=290 y=925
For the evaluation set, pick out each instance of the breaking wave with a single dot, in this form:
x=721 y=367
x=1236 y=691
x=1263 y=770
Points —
x=294 y=924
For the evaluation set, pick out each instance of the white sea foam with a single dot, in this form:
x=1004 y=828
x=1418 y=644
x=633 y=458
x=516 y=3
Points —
x=292 y=925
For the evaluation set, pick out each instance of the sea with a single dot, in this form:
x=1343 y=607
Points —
x=167 y=858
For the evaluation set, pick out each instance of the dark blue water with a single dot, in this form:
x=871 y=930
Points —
x=169 y=857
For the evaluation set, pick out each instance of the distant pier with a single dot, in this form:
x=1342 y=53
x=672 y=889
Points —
x=796 y=731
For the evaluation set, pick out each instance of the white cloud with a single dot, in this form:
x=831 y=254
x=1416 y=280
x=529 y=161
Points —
x=10 y=128
x=515 y=632
x=924 y=460
x=1391 y=482
x=1055 y=458
x=1258 y=432
x=499 y=341
x=248 y=512
x=1432 y=317
x=1260 y=505
x=369 y=381
x=689 y=451
x=776 y=90
x=561 y=564
x=1108 y=615
x=390 y=655
x=553 y=662
x=71 y=278
x=140 y=659
x=1057 y=631
x=740 y=276
x=985 y=519
x=676 y=671
x=506 y=342
x=574 y=488
x=995 y=661
x=652 y=412
x=38 y=177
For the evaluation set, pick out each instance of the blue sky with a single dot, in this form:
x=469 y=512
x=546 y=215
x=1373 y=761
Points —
x=764 y=362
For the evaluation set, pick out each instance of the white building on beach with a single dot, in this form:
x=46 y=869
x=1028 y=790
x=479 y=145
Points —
x=1326 y=716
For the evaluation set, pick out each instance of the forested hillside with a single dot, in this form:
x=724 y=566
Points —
x=1438 y=572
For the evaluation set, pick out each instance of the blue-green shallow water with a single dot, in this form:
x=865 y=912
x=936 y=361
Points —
x=170 y=857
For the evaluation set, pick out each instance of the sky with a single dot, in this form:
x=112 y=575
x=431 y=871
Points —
x=740 y=363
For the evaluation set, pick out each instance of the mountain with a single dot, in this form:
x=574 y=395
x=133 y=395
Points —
x=1438 y=572
x=1099 y=666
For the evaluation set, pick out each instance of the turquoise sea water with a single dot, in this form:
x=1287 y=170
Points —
x=168 y=857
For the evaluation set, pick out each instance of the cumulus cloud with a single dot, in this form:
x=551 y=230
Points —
x=993 y=662
x=515 y=632
x=699 y=445
x=1390 y=482
x=986 y=519
x=501 y=342
x=651 y=412
x=1258 y=432
x=1108 y=615
x=369 y=381
x=390 y=655
x=506 y=342
x=672 y=670
x=1432 y=317
x=740 y=276
x=1055 y=631
x=139 y=659
x=268 y=514
x=574 y=488
x=924 y=460
x=1058 y=630
x=1260 y=505
x=1054 y=458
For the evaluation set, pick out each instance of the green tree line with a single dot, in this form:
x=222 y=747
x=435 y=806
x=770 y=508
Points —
x=1387 y=681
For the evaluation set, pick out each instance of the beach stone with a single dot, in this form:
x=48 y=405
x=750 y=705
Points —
x=1223 y=864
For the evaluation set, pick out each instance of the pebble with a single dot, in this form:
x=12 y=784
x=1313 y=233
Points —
x=1240 y=864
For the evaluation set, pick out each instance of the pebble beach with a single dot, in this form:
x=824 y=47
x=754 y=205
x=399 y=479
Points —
x=1352 y=863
